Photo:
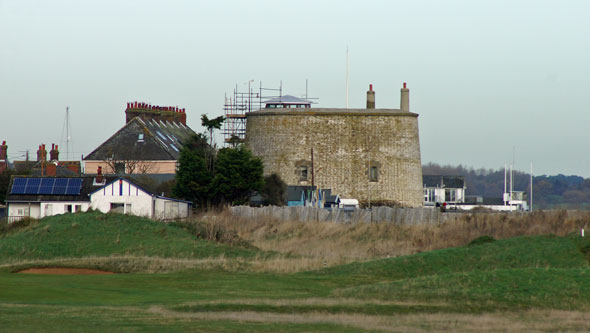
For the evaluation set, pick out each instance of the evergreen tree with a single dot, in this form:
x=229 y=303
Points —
x=192 y=177
x=237 y=175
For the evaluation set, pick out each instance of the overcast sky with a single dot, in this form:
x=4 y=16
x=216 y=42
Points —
x=489 y=79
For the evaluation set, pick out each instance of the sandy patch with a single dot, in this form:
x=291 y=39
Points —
x=63 y=271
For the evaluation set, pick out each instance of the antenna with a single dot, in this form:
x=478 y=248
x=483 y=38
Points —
x=531 y=199
x=347 y=76
x=67 y=130
x=504 y=196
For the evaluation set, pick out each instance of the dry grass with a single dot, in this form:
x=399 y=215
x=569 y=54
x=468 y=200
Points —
x=305 y=246
x=328 y=243
x=529 y=321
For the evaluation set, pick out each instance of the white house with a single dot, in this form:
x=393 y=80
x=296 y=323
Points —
x=441 y=189
x=123 y=196
x=37 y=197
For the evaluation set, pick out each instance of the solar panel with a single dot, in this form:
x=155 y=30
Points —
x=73 y=186
x=17 y=190
x=18 y=186
x=33 y=186
x=19 y=182
x=46 y=186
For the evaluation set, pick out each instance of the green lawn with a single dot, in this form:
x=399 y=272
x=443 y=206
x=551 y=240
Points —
x=506 y=277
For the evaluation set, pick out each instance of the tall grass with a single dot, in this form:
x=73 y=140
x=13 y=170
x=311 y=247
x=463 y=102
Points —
x=331 y=243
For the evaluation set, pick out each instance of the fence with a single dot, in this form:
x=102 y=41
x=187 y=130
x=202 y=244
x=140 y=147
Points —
x=397 y=215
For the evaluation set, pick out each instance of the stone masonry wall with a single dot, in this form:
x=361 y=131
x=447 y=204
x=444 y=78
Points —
x=346 y=143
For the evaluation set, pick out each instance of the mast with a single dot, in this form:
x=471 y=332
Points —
x=67 y=131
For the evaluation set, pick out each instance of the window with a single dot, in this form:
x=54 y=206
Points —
x=373 y=169
x=117 y=207
x=450 y=195
x=303 y=172
x=429 y=195
x=140 y=137
x=120 y=168
x=374 y=173
x=67 y=208
x=78 y=208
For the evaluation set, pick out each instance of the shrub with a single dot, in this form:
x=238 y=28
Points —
x=482 y=240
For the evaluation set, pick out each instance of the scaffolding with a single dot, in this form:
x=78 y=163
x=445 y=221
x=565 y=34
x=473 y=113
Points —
x=235 y=109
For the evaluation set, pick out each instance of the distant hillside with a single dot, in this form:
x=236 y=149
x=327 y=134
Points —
x=548 y=191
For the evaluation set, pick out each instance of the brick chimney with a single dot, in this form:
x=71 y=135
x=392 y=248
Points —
x=370 y=98
x=50 y=169
x=159 y=113
x=3 y=151
x=3 y=157
x=41 y=153
x=99 y=175
x=54 y=153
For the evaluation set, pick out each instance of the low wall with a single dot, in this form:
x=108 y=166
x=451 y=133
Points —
x=397 y=215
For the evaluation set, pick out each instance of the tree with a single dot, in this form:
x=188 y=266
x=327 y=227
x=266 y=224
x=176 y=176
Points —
x=237 y=174
x=4 y=182
x=211 y=124
x=274 y=190
x=193 y=179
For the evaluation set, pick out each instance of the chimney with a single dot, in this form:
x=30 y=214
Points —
x=50 y=169
x=405 y=99
x=370 y=98
x=41 y=153
x=3 y=151
x=54 y=153
x=149 y=112
x=99 y=175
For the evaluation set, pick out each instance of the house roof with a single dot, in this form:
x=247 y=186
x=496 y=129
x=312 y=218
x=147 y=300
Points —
x=111 y=180
x=443 y=181
x=287 y=99
x=144 y=140
x=86 y=188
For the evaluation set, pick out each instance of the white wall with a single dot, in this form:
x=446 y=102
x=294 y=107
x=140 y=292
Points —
x=170 y=209
x=39 y=210
x=23 y=209
x=140 y=202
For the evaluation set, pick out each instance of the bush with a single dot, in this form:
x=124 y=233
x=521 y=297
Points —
x=482 y=240
x=211 y=231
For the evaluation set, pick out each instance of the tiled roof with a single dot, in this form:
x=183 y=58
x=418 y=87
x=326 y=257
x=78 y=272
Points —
x=443 y=181
x=287 y=99
x=87 y=187
x=144 y=140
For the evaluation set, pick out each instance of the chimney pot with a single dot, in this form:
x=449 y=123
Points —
x=370 y=98
x=405 y=99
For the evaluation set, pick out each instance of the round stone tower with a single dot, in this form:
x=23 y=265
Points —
x=372 y=155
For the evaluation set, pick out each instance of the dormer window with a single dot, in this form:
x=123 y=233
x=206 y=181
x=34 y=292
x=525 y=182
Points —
x=140 y=137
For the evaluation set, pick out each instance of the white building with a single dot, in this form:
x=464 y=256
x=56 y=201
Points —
x=123 y=196
x=37 y=197
x=443 y=189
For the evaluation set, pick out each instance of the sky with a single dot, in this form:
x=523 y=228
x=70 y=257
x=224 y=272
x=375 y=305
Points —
x=494 y=82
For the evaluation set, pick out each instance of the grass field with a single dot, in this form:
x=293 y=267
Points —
x=177 y=278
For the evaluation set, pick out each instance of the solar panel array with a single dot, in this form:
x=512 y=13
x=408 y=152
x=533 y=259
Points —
x=48 y=186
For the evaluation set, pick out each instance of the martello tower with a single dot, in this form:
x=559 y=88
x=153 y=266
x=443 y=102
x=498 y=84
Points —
x=368 y=154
